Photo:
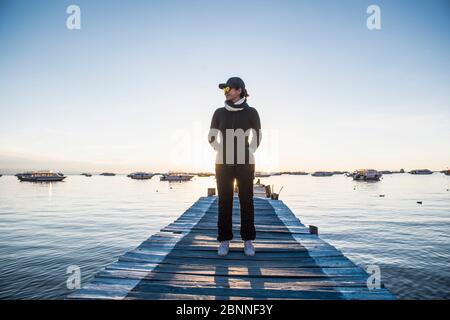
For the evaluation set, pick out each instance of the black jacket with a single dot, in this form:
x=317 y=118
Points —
x=245 y=119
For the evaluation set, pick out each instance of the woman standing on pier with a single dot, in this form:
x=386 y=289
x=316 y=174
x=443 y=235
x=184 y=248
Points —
x=231 y=127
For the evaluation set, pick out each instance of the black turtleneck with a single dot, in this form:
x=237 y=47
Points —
x=247 y=118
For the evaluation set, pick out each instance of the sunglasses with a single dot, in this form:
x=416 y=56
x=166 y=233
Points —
x=227 y=89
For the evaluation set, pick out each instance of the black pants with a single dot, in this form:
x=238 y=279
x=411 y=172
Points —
x=244 y=175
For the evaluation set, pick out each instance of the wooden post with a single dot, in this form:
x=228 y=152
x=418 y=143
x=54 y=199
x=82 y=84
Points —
x=313 y=230
x=268 y=192
x=211 y=192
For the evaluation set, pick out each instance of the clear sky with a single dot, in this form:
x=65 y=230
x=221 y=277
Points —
x=136 y=87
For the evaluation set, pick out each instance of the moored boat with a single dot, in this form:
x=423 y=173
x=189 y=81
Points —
x=40 y=176
x=205 y=174
x=140 y=175
x=260 y=189
x=86 y=174
x=366 y=175
x=298 y=173
x=421 y=171
x=447 y=172
x=262 y=175
x=322 y=174
x=175 y=177
x=108 y=174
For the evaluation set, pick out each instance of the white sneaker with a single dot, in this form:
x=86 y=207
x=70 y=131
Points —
x=223 y=248
x=249 y=250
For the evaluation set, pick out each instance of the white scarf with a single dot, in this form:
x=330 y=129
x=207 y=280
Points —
x=229 y=108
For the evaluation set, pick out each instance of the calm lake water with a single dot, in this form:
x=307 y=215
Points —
x=89 y=222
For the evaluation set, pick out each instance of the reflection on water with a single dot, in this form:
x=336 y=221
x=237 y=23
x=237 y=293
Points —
x=89 y=221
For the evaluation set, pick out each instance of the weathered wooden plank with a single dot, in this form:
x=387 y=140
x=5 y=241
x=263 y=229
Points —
x=238 y=254
x=213 y=230
x=300 y=262
x=241 y=271
x=180 y=296
x=275 y=225
x=260 y=235
x=350 y=287
x=237 y=281
x=145 y=287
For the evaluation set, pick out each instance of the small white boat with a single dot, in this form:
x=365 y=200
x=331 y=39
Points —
x=205 y=174
x=40 y=176
x=366 y=175
x=175 y=177
x=322 y=174
x=299 y=173
x=140 y=175
x=259 y=190
x=421 y=171
x=262 y=175
x=108 y=174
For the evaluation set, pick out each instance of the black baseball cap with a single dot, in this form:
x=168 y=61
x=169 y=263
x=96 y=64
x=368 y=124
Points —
x=234 y=82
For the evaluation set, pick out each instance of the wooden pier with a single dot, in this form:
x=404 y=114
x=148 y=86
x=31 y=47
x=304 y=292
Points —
x=181 y=262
